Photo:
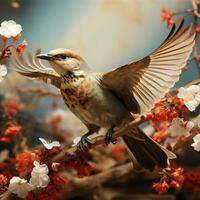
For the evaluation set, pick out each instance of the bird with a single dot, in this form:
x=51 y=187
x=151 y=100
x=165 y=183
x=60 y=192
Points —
x=111 y=100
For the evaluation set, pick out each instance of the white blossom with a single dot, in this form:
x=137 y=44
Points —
x=39 y=175
x=3 y=72
x=10 y=29
x=19 y=186
x=198 y=121
x=190 y=96
x=76 y=141
x=48 y=144
x=179 y=127
x=196 y=143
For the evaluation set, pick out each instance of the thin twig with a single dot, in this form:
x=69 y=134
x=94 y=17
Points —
x=38 y=91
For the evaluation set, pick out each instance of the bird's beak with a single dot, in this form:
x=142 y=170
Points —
x=45 y=57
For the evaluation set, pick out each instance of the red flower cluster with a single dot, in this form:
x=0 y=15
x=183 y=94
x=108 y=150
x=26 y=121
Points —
x=12 y=130
x=81 y=166
x=55 y=120
x=172 y=178
x=3 y=180
x=162 y=132
x=166 y=15
x=12 y=106
x=167 y=109
x=24 y=162
x=119 y=151
x=192 y=180
x=197 y=29
x=163 y=113
x=55 y=189
x=3 y=183
x=4 y=170
x=21 y=48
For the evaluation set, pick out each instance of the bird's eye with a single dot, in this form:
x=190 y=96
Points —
x=63 y=56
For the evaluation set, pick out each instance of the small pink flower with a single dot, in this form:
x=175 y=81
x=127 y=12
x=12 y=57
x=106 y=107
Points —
x=21 y=48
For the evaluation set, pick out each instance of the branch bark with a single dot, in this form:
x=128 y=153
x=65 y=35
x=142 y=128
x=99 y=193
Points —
x=85 y=185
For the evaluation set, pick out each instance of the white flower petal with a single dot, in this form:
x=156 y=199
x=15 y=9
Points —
x=190 y=96
x=76 y=141
x=189 y=126
x=10 y=29
x=178 y=127
x=49 y=145
x=196 y=143
x=1 y=78
x=191 y=105
x=39 y=175
x=196 y=138
x=19 y=186
x=181 y=92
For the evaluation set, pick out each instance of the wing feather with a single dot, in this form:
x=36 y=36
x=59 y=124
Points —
x=32 y=67
x=149 y=79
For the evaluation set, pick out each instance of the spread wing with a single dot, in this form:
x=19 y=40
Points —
x=139 y=84
x=32 y=67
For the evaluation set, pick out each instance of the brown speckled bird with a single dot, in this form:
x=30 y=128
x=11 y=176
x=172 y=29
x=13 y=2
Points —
x=109 y=100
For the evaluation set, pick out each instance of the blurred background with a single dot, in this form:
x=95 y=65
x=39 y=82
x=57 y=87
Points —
x=106 y=33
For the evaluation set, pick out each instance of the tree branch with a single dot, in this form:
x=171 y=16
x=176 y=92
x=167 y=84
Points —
x=85 y=185
x=69 y=152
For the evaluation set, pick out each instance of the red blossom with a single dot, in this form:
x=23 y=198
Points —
x=163 y=113
x=24 y=162
x=4 y=170
x=4 y=39
x=55 y=120
x=197 y=29
x=81 y=166
x=16 y=37
x=55 y=189
x=161 y=187
x=3 y=180
x=166 y=15
x=119 y=151
x=40 y=152
x=172 y=178
x=54 y=151
x=192 y=180
x=161 y=135
x=30 y=196
x=3 y=166
x=6 y=140
x=21 y=48
x=167 y=109
x=55 y=166
x=12 y=129
x=12 y=106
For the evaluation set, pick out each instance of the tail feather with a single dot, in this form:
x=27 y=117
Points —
x=147 y=153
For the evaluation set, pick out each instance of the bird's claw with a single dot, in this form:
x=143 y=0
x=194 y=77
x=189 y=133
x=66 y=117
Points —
x=83 y=143
x=109 y=137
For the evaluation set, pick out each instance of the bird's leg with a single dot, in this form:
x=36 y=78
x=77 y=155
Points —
x=109 y=136
x=83 y=143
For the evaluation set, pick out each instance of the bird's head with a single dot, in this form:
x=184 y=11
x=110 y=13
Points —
x=64 y=61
